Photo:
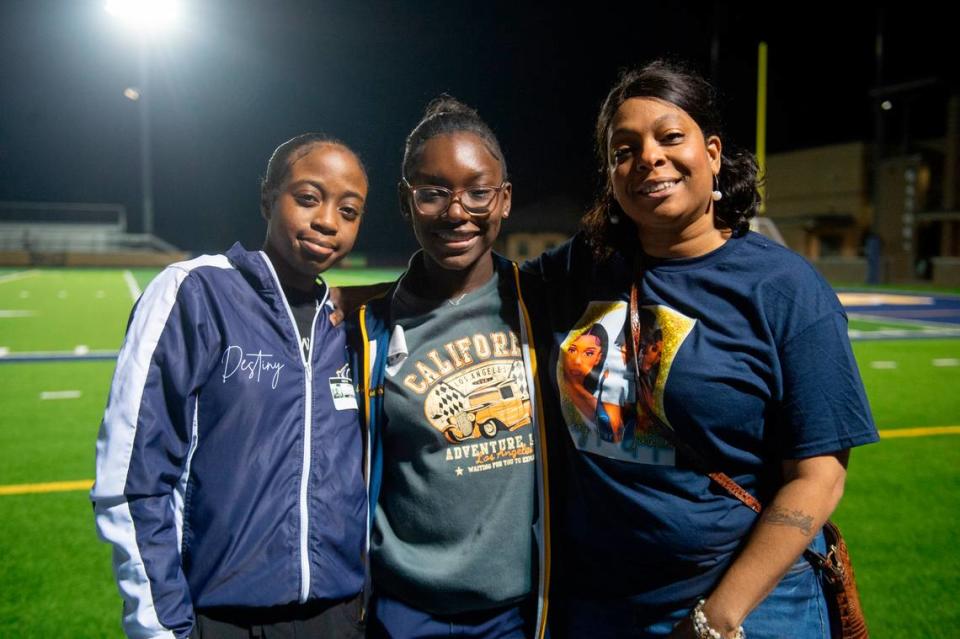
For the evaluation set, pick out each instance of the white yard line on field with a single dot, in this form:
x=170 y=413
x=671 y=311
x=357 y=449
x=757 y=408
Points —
x=132 y=285
x=19 y=275
x=65 y=394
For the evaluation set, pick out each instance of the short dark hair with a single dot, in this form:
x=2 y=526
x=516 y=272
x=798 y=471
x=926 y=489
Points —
x=278 y=166
x=445 y=115
x=674 y=83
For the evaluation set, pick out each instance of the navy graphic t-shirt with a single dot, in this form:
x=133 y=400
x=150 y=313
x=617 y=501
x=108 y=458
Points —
x=744 y=353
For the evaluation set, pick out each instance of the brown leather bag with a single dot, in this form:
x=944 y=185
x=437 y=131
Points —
x=846 y=615
x=840 y=586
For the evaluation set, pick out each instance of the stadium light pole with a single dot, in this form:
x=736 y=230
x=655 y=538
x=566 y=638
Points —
x=146 y=19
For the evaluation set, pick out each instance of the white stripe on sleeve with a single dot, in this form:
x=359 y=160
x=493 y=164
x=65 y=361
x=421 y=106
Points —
x=115 y=446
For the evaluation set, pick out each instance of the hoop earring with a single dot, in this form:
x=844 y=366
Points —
x=716 y=195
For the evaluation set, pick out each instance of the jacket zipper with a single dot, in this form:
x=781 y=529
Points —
x=307 y=451
x=306 y=361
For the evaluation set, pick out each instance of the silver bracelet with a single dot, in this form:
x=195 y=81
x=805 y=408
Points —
x=704 y=630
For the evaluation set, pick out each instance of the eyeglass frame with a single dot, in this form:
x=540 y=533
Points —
x=454 y=197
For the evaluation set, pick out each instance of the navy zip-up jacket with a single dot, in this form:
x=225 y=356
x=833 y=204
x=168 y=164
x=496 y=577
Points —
x=228 y=465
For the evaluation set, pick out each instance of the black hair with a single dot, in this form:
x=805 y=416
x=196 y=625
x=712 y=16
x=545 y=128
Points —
x=445 y=115
x=674 y=83
x=592 y=378
x=278 y=166
x=650 y=332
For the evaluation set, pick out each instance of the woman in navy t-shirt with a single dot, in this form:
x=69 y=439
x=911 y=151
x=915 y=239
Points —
x=743 y=354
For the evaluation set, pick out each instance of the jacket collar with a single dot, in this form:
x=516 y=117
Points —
x=254 y=267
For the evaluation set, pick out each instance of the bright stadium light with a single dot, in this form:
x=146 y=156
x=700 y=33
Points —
x=146 y=18
x=145 y=15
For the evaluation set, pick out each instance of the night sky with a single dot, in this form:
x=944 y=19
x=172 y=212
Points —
x=236 y=78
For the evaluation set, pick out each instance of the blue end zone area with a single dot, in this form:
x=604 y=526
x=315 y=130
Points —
x=901 y=315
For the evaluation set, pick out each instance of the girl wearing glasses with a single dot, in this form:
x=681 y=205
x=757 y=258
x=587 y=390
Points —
x=450 y=404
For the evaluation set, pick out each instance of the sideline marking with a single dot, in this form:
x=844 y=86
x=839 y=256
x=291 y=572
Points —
x=86 y=484
x=49 y=487
x=12 y=357
x=889 y=433
x=16 y=313
x=883 y=365
x=132 y=285
x=946 y=361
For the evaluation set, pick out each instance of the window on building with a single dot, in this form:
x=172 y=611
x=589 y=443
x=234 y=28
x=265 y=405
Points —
x=831 y=245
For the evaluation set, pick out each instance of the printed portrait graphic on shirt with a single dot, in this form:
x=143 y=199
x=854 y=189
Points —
x=598 y=387
x=474 y=393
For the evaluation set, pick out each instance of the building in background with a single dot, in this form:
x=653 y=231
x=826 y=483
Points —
x=822 y=201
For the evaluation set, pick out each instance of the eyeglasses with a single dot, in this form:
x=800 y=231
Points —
x=434 y=201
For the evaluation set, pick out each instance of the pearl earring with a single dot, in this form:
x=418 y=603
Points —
x=716 y=195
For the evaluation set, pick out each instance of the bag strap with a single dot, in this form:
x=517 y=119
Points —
x=698 y=460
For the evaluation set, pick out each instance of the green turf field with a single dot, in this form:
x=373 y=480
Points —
x=900 y=513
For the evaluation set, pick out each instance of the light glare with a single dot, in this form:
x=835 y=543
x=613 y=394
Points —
x=146 y=15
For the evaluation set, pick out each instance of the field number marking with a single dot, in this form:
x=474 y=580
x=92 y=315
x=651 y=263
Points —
x=64 y=394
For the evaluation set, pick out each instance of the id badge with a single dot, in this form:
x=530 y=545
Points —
x=341 y=390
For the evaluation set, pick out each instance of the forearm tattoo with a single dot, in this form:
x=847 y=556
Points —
x=783 y=517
